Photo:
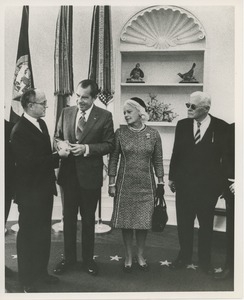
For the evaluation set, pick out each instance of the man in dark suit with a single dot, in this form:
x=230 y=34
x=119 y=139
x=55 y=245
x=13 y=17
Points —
x=9 y=178
x=88 y=130
x=229 y=195
x=196 y=176
x=35 y=187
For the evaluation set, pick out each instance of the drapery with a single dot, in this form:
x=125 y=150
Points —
x=101 y=67
x=63 y=59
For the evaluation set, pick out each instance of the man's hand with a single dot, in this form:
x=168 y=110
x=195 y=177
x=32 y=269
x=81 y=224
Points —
x=63 y=145
x=111 y=191
x=172 y=186
x=77 y=149
x=62 y=152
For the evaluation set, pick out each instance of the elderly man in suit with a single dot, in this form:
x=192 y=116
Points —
x=229 y=195
x=9 y=177
x=89 y=134
x=196 y=176
x=35 y=187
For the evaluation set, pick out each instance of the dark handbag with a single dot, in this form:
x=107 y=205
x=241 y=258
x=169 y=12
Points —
x=160 y=216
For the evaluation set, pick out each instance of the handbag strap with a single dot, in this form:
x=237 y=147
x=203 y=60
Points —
x=159 y=201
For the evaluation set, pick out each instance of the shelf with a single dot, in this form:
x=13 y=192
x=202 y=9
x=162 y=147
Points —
x=162 y=85
x=159 y=124
x=162 y=52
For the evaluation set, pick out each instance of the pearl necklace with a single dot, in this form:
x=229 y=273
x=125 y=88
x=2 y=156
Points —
x=137 y=129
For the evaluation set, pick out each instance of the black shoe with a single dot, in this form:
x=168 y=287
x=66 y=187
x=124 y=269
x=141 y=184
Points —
x=178 y=264
x=127 y=268
x=144 y=267
x=91 y=268
x=62 y=267
x=8 y=272
x=50 y=279
x=29 y=289
x=225 y=274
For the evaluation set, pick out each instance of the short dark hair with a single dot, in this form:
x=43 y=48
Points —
x=25 y=98
x=88 y=82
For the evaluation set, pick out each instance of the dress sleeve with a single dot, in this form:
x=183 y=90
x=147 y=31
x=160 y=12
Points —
x=158 y=156
x=114 y=156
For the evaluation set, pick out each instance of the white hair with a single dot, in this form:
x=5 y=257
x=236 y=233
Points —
x=142 y=112
x=204 y=97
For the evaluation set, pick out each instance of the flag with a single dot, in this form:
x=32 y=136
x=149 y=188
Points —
x=23 y=76
x=63 y=60
x=101 y=67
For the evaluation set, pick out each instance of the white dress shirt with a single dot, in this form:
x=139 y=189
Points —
x=204 y=126
x=33 y=121
x=79 y=114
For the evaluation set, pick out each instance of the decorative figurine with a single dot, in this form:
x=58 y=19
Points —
x=188 y=77
x=136 y=75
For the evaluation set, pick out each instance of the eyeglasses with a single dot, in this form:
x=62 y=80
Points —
x=192 y=106
x=44 y=103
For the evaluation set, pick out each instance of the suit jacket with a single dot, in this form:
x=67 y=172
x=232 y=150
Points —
x=35 y=163
x=9 y=160
x=229 y=160
x=198 y=168
x=98 y=134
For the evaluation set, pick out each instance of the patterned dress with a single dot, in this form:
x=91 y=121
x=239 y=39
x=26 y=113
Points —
x=140 y=154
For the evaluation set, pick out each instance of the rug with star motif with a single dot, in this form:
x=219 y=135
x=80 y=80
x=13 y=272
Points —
x=161 y=250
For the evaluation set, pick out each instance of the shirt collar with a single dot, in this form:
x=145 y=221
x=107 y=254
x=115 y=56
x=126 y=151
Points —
x=31 y=119
x=87 y=112
x=207 y=118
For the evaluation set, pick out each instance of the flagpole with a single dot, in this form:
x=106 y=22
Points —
x=63 y=72
x=100 y=70
x=23 y=76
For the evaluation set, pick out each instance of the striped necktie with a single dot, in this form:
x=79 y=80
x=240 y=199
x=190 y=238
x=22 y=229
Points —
x=197 y=136
x=80 y=126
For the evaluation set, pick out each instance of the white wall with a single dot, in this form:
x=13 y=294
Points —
x=218 y=22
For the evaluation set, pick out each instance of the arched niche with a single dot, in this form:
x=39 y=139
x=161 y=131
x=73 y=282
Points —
x=162 y=27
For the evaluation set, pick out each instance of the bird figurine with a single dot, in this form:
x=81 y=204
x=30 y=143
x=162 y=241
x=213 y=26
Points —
x=188 y=77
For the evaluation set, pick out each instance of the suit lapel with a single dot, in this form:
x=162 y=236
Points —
x=209 y=132
x=93 y=117
x=191 y=124
x=72 y=117
x=34 y=129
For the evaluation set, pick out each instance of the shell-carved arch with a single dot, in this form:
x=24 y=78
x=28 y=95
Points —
x=162 y=27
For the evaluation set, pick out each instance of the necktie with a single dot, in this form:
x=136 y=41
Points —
x=80 y=126
x=42 y=126
x=197 y=136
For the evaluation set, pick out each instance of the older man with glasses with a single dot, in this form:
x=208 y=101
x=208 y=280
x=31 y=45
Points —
x=197 y=178
x=35 y=187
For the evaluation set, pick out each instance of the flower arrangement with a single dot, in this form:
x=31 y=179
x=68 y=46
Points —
x=158 y=111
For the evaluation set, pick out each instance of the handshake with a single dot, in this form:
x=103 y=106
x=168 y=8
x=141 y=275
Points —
x=64 y=148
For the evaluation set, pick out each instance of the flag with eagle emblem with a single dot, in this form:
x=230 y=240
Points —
x=23 y=76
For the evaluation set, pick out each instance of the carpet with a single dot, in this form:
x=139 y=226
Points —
x=109 y=254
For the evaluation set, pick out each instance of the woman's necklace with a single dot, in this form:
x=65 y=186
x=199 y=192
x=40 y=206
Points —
x=137 y=129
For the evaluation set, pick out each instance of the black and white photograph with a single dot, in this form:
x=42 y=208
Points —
x=122 y=156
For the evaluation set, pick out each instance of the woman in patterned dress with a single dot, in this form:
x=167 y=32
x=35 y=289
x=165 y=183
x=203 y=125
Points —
x=139 y=149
